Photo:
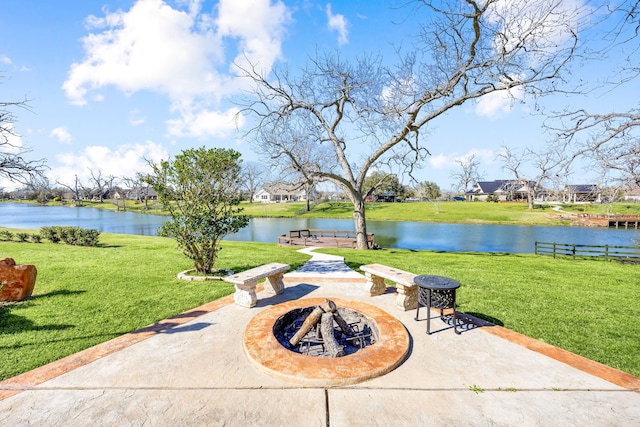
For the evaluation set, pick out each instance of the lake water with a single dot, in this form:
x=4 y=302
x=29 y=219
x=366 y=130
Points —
x=389 y=234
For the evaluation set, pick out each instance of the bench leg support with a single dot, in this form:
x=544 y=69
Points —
x=375 y=285
x=407 y=298
x=274 y=284
x=245 y=295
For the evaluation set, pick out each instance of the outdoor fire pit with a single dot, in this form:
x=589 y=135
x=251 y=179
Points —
x=325 y=330
x=323 y=342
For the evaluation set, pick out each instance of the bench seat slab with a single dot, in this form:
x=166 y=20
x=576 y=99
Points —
x=407 y=298
x=246 y=282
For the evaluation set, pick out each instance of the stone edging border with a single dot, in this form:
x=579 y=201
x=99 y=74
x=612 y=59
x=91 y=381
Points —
x=184 y=275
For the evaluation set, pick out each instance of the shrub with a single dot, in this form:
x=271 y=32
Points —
x=70 y=235
x=87 y=237
x=6 y=235
x=23 y=237
x=62 y=233
x=50 y=234
x=36 y=238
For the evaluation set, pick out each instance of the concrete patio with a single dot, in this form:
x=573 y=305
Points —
x=192 y=370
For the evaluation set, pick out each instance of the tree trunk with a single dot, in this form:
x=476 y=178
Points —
x=530 y=198
x=360 y=222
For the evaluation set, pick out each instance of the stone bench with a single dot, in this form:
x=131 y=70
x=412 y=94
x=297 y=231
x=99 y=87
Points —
x=407 y=290
x=246 y=282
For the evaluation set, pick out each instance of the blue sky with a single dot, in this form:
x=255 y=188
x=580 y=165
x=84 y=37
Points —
x=111 y=82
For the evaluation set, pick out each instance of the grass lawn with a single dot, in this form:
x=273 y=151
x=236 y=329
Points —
x=87 y=295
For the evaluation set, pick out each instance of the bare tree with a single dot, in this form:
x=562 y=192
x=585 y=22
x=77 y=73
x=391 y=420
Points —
x=41 y=187
x=610 y=141
x=77 y=189
x=139 y=187
x=309 y=190
x=100 y=185
x=548 y=165
x=253 y=176
x=467 y=174
x=13 y=163
x=360 y=114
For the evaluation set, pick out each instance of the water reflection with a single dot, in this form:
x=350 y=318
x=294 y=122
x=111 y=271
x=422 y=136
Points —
x=16 y=215
x=390 y=234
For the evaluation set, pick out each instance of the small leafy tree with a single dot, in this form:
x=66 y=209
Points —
x=428 y=190
x=200 y=189
x=378 y=183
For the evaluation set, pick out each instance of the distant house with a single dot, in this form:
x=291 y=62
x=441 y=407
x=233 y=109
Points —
x=117 y=193
x=503 y=190
x=632 y=195
x=19 y=194
x=142 y=193
x=386 y=196
x=279 y=191
x=582 y=193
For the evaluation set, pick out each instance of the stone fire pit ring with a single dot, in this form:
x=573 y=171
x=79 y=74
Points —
x=267 y=354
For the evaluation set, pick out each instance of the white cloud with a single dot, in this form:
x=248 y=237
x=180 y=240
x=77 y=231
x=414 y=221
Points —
x=62 y=134
x=544 y=25
x=151 y=47
x=448 y=161
x=258 y=25
x=497 y=104
x=483 y=154
x=339 y=24
x=124 y=160
x=440 y=161
x=204 y=123
x=4 y=59
x=177 y=52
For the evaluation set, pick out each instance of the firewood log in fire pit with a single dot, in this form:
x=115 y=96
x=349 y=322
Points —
x=312 y=319
x=331 y=346
x=344 y=326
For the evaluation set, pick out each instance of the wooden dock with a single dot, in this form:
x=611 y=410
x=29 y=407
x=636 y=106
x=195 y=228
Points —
x=323 y=238
x=607 y=220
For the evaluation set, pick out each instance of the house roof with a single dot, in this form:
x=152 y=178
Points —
x=582 y=188
x=280 y=187
x=500 y=185
x=488 y=187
